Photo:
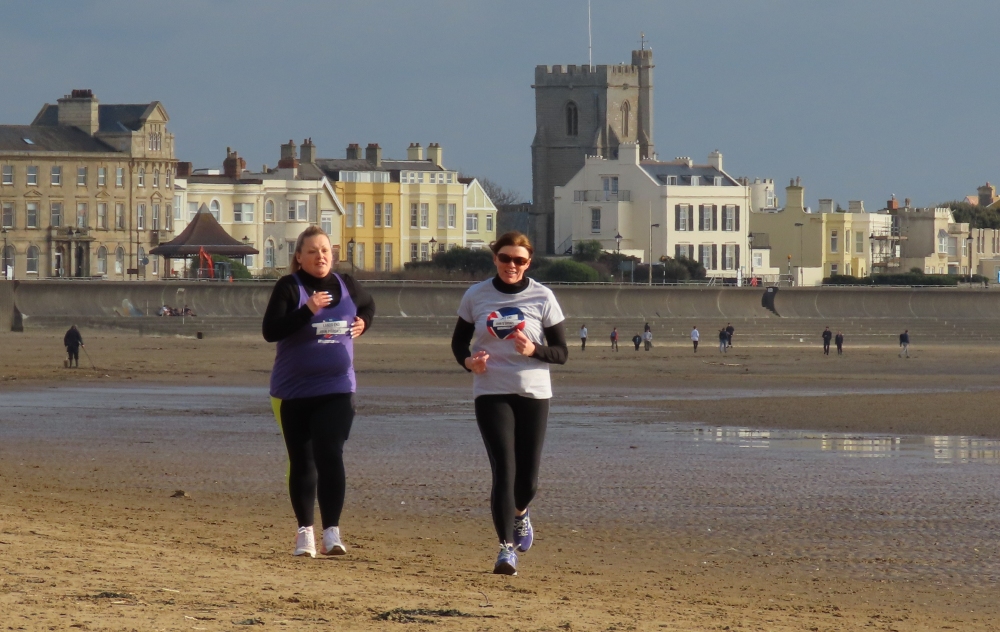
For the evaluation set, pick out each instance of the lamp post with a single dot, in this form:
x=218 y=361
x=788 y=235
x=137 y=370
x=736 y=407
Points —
x=750 y=243
x=350 y=253
x=799 y=226
x=871 y=264
x=430 y=247
x=618 y=241
x=651 y=227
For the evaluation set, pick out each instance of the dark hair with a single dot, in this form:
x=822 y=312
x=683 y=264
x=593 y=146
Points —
x=312 y=231
x=513 y=238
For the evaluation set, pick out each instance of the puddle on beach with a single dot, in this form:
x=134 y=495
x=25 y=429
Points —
x=111 y=407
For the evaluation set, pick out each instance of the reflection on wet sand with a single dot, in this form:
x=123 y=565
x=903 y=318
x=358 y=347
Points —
x=947 y=449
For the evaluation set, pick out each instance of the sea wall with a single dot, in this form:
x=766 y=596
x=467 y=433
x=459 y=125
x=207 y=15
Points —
x=42 y=303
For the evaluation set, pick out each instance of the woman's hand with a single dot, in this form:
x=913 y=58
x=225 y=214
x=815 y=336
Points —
x=318 y=301
x=357 y=327
x=477 y=363
x=522 y=344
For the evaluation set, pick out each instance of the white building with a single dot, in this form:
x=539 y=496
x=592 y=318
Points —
x=266 y=210
x=660 y=209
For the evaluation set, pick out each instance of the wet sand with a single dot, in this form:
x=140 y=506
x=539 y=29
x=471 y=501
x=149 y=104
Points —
x=663 y=503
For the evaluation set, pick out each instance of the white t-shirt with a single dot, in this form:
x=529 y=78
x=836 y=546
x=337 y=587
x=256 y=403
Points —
x=496 y=315
x=583 y=332
x=695 y=335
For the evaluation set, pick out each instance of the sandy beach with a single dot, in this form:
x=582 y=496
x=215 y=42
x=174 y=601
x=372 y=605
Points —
x=679 y=492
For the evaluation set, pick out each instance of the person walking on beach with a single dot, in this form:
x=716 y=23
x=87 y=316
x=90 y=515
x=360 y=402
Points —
x=730 y=330
x=695 y=337
x=839 y=339
x=73 y=341
x=637 y=340
x=314 y=316
x=614 y=339
x=904 y=342
x=827 y=336
x=647 y=339
x=723 y=340
x=583 y=337
x=498 y=338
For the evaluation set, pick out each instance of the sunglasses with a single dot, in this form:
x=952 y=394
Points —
x=518 y=261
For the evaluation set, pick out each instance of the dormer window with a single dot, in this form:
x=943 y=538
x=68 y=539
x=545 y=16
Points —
x=671 y=179
x=695 y=181
x=718 y=181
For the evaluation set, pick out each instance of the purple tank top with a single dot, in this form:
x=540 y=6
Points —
x=318 y=359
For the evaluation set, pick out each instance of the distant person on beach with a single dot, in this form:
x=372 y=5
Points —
x=73 y=341
x=314 y=315
x=647 y=339
x=730 y=330
x=695 y=337
x=827 y=337
x=508 y=317
x=583 y=337
x=723 y=340
x=637 y=340
x=904 y=342
x=839 y=339
x=614 y=339
x=645 y=328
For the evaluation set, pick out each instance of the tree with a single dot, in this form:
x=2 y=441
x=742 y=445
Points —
x=465 y=260
x=973 y=214
x=565 y=271
x=499 y=195
x=587 y=250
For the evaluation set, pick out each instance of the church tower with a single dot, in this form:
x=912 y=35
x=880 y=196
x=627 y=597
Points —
x=584 y=111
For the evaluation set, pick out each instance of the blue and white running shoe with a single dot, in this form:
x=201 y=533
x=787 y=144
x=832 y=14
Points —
x=524 y=535
x=506 y=561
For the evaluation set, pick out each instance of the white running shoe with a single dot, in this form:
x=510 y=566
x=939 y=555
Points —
x=331 y=542
x=305 y=542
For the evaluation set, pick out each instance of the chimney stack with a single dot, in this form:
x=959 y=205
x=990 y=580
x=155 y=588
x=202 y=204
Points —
x=373 y=154
x=715 y=159
x=354 y=151
x=892 y=204
x=434 y=153
x=307 y=152
x=414 y=152
x=288 y=160
x=233 y=166
x=79 y=109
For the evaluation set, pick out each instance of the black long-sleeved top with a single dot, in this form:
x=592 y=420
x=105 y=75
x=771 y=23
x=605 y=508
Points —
x=555 y=352
x=284 y=317
x=72 y=338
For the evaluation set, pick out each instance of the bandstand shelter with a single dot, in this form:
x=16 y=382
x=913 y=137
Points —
x=202 y=236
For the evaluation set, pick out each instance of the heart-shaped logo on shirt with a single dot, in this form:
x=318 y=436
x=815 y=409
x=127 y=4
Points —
x=505 y=321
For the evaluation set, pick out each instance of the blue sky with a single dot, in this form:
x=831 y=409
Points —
x=861 y=98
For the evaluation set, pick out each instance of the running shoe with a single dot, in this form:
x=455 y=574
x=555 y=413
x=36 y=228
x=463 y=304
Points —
x=305 y=542
x=331 y=542
x=506 y=561
x=523 y=533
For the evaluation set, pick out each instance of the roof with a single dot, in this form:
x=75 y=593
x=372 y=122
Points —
x=660 y=170
x=50 y=139
x=111 y=118
x=203 y=232
x=204 y=178
x=335 y=165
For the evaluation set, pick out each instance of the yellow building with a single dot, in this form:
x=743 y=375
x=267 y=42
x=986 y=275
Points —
x=398 y=211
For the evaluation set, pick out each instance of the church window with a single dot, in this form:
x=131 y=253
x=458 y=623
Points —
x=572 y=120
x=625 y=119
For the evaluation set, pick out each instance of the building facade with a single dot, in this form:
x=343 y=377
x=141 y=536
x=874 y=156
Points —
x=267 y=209
x=813 y=245
x=86 y=190
x=583 y=111
x=653 y=209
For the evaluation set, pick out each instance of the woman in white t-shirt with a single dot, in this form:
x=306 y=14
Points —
x=502 y=323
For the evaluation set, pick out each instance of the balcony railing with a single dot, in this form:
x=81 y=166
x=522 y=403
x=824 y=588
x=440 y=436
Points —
x=597 y=195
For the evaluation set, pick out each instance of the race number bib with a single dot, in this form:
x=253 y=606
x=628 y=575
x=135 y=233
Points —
x=329 y=328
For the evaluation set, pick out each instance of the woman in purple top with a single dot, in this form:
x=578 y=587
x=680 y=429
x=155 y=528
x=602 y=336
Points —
x=314 y=316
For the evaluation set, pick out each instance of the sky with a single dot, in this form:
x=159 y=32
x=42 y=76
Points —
x=862 y=99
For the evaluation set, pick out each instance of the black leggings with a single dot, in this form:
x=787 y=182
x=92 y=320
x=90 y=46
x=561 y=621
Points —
x=315 y=429
x=513 y=429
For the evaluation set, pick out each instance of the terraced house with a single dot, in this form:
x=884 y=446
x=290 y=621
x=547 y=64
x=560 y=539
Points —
x=86 y=190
